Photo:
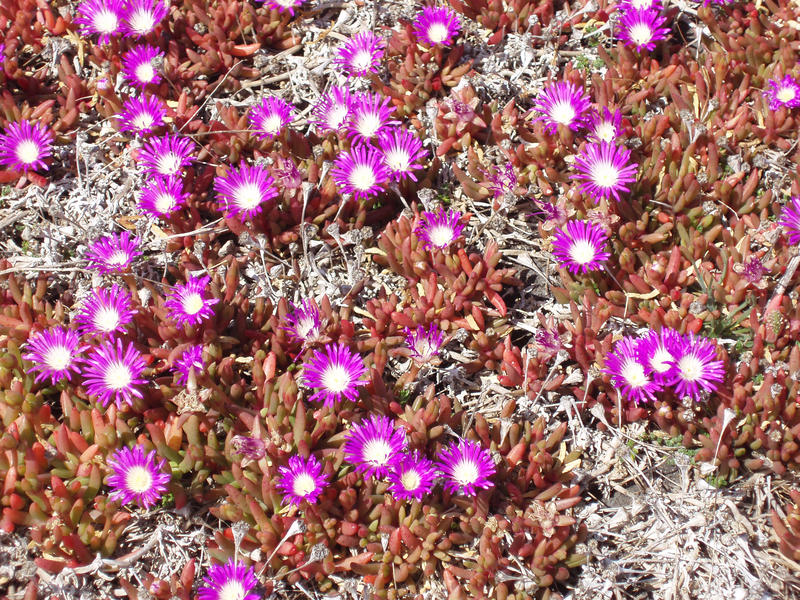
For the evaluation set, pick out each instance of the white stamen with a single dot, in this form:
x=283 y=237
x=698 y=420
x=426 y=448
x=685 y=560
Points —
x=138 y=479
x=785 y=94
x=633 y=373
x=437 y=33
x=398 y=160
x=336 y=379
x=165 y=203
x=142 y=21
x=377 y=452
x=303 y=484
x=192 y=303
x=105 y=21
x=119 y=258
x=605 y=131
x=58 y=358
x=562 y=112
x=117 y=376
x=661 y=360
x=247 y=196
x=145 y=72
x=410 y=480
x=604 y=174
x=582 y=252
x=337 y=114
x=106 y=319
x=368 y=124
x=362 y=60
x=466 y=472
x=28 y=152
x=440 y=235
x=272 y=123
x=690 y=367
x=144 y=120
x=362 y=178
x=232 y=590
x=640 y=34
x=168 y=164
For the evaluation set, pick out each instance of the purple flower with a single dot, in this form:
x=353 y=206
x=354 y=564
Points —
x=424 y=343
x=374 y=445
x=604 y=169
x=562 y=103
x=249 y=447
x=142 y=115
x=287 y=173
x=504 y=181
x=269 y=117
x=400 y=149
x=337 y=371
x=604 y=126
x=25 y=146
x=783 y=92
x=112 y=371
x=411 y=477
x=137 y=477
x=790 y=220
x=283 y=5
x=360 y=172
x=437 y=25
x=626 y=5
x=696 y=368
x=439 y=230
x=304 y=323
x=192 y=358
x=752 y=269
x=142 y=16
x=228 y=582
x=628 y=372
x=642 y=28
x=659 y=351
x=139 y=65
x=113 y=254
x=166 y=155
x=370 y=115
x=244 y=191
x=162 y=196
x=361 y=54
x=302 y=480
x=105 y=312
x=54 y=353
x=466 y=466
x=333 y=109
x=580 y=246
x=187 y=303
x=100 y=16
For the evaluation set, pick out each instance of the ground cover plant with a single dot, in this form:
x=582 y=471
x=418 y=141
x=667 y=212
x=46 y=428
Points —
x=469 y=299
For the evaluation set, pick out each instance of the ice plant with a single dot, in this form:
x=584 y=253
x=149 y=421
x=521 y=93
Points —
x=249 y=447
x=142 y=115
x=466 y=467
x=304 y=323
x=113 y=253
x=411 y=477
x=187 y=303
x=783 y=92
x=360 y=171
x=437 y=25
x=142 y=16
x=243 y=191
x=269 y=117
x=112 y=372
x=628 y=373
x=25 y=145
x=790 y=220
x=361 y=54
x=370 y=115
x=192 y=358
x=166 y=155
x=139 y=65
x=440 y=229
x=283 y=5
x=604 y=169
x=302 y=480
x=337 y=371
x=562 y=103
x=604 y=125
x=287 y=174
x=228 y=582
x=639 y=4
x=401 y=149
x=696 y=368
x=100 y=16
x=105 y=311
x=137 y=477
x=503 y=181
x=580 y=246
x=424 y=342
x=54 y=353
x=162 y=196
x=641 y=28
x=659 y=351
x=374 y=445
x=333 y=109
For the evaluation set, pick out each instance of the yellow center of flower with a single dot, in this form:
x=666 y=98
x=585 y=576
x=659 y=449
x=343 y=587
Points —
x=368 y=124
x=440 y=236
x=691 y=368
x=192 y=303
x=164 y=203
x=410 y=480
x=105 y=21
x=362 y=60
x=640 y=34
x=145 y=72
x=437 y=33
x=142 y=21
x=303 y=485
x=138 y=479
x=605 y=131
x=58 y=358
x=562 y=112
x=398 y=159
x=377 y=452
x=144 y=120
x=106 y=319
x=604 y=174
x=119 y=258
x=27 y=152
x=633 y=373
x=168 y=164
x=247 y=196
x=272 y=123
x=786 y=94
x=232 y=590
x=362 y=178
x=117 y=376
x=582 y=252
x=336 y=379
x=465 y=472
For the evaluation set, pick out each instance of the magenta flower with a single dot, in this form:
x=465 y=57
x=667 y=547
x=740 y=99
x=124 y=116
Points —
x=25 y=145
x=137 y=477
x=166 y=155
x=562 y=103
x=139 y=65
x=112 y=371
x=100 y=16
x=504 y=181
x=269 y=117
x=287 y=174
x=659 y=351
x=411 y=476
x=790 y=220
x=360 y=172
x=626 y=365
x=642 y=28
x=192 y=358
x=370 y=115
x=400 y=149
x=439 y=230
x=337 y=371
x=604 y=169
x=105 y=312
x=465 y=467
x=437 y=25
x=302 y=480
x=54 y=353
x=113 y=254
x=187 y=303
x=605 y=126
x=244 y=191
x=580 y=246
x=362 y=54
x=783 y=92
x=304 y=323
x=333 y=110
x=228 y=582
x=626 y=5
x=424 y=343
x=696 y=368
x=374 y=445
x=162 y=196
x=142 y=115
x=249 y=447
x=142 y=16
x=283 y=5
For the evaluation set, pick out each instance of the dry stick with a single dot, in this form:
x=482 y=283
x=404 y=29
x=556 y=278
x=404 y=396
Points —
x=211 y=95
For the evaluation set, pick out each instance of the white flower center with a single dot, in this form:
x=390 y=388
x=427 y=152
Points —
x=368 y=124
x=28 y=152
x=690 y=367
x=165 y=203
x=303 y=484
x=304 y=327
x=168 y=164
x=138 y=479
x=118 y=259
x=362 y=177
x=144 y=120
x=640 y=34
x=377 y=452
x=562 y=112
x=410 y=480
x=285 y=3
x=105 y=21
x=582 y=252
x=399 y=160
x=106 y=319
x=605 y=174
x=232 y=590
x=642 y=3
x=605 y=131
x=145 y=72
x=633 y=373
x=336 y=379
x=362 y=60
x=58 y=358
x=118 y=376
x=142 y=21
x=440 y=236
x=786 y=94
x=437 y=33
x=466 y=472
x=272 y=123
x=192 y=303
x=661 y=360
x=247 y=196
x=337 y=114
